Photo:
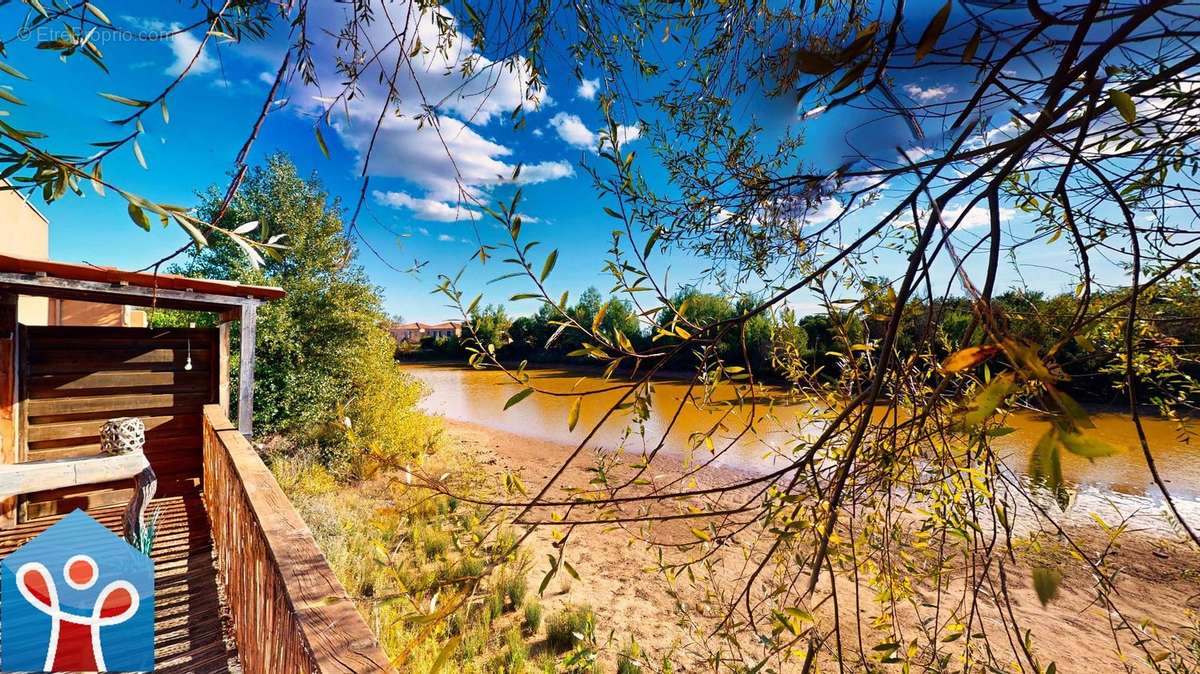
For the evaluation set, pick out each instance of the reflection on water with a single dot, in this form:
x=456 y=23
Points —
x=478 y=396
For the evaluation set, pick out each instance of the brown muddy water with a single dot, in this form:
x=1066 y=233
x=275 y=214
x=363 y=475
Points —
x=1120 y=483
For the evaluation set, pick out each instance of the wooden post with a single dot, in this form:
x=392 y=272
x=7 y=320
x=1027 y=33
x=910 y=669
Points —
x=223 y=366
x=246 y=369
x=8 y=399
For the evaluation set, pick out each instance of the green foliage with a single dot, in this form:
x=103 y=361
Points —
x=516 y=653
x=514 y=587
x=531 y=621
x=325 y=370
x=629 y=661
x=569 y=627
x=432 y=542
x=489 y=327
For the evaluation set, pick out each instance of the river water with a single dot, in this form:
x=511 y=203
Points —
x=1118 y=483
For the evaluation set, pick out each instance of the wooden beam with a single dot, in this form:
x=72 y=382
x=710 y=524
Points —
x=246 y=369
x=95 y=291
x=222 y=367
x=24 y=478
x=8 y=399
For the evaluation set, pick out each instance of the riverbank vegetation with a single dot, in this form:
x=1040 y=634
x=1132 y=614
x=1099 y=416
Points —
x=777 y=346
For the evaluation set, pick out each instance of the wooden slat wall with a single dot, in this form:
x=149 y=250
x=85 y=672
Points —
x=290 y=614
x=73 y=379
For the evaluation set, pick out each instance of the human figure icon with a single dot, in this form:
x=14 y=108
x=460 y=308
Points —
x=75 y=639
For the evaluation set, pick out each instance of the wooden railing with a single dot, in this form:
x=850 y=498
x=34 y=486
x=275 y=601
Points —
x=290 y=614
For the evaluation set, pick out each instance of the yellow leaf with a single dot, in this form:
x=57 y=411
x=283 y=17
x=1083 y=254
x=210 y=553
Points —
x=599 y=318
x=1086 y=446
x=1045 y=583
x=969 y=357
x=932 y=32
x=1124 y=104
x=989 y=399
x=444 y=656
x=573 y=415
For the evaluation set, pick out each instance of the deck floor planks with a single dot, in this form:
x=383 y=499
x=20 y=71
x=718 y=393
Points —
x=191 y=629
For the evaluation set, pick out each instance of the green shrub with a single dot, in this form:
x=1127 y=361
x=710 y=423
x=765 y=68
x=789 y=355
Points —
x=432 y=542
x=532 y=621
x=517 y=653
x=514 y=587
x=630 y=659
x=495 y=604
x=468 y=567
x=565 y=630
x=472 y=644
x=323 y=353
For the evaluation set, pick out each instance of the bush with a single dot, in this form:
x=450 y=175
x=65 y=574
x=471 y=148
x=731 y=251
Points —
x=495 y=604
x=468 y=567
x=517 y=653
x=514 y=588
x=532 y=621
x=565 y=630
x=323 y=353
x=432 y=542
x=472 y=644
x=630 y=659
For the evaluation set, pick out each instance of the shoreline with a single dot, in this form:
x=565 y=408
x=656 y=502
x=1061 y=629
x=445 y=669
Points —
x=631 y=598
x=1148 y=411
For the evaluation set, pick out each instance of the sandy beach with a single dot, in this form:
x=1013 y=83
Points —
x=1158 y=579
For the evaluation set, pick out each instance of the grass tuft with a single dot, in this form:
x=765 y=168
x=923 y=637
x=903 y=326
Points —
x=569 y=627
x=532 y=621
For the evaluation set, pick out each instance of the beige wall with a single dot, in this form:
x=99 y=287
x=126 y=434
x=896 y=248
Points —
x=25 y=233
x=72 y=312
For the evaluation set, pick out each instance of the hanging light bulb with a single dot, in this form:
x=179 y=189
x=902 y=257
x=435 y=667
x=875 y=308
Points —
x=188 y=365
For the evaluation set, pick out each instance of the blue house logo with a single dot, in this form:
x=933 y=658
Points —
x=77 y=598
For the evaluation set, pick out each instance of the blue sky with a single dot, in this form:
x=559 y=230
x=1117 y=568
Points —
x=413 y=189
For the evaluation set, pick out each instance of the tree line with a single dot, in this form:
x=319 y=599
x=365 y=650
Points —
x=780 y=345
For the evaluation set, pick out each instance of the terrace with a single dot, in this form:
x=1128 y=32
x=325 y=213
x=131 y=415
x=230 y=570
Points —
x=240 y=582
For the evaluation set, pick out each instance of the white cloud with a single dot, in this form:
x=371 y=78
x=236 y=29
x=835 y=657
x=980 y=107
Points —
x=823 y=212
x=144 y=24
x=930 y=94
x=860 y=183
x=976 y=217
x=626 y=133
x=423 y=231
x=426 y=209
x=446 y=160
x=587 y=89
x=266 y=78
x=184 y=46
x=445 y=237
x=406 y=150
x=574 y=132
x=915 y=154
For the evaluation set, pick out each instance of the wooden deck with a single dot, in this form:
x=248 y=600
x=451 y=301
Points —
x=192 y=633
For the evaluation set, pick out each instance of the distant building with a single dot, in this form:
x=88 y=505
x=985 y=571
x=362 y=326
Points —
x=26 y=234
x=413 y=333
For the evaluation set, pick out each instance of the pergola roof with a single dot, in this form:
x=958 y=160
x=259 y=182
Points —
x=90 y=283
